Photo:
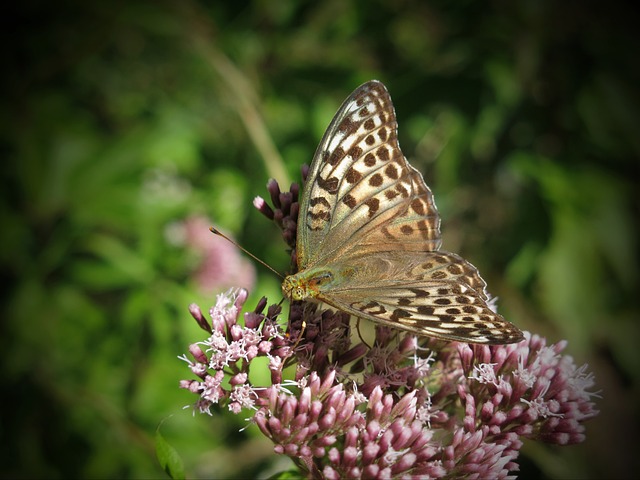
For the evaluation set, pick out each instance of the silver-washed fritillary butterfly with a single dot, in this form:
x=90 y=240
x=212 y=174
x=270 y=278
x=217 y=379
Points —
x=368 y=235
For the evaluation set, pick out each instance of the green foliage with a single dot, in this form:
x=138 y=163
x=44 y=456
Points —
x=169 y=458
x=123 y=119
x=287 y=475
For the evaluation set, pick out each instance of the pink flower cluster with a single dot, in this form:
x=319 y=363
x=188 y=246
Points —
x=228 y=352
x=399 y=408
x=402 y=407
x=528 y=388
x=329 y=437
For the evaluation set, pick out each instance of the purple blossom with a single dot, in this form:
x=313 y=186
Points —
x=404 y=406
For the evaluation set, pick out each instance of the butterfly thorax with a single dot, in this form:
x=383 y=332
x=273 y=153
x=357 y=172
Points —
x=309 y=284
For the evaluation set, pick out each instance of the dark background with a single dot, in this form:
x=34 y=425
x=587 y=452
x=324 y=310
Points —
x=122 y=119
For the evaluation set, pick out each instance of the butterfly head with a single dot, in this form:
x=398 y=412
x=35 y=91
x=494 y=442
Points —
x=307 y=284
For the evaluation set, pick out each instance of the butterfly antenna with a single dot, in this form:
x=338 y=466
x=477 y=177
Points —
x=215 y=231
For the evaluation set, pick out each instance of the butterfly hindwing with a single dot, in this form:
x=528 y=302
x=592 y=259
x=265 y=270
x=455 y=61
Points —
x=439 y=295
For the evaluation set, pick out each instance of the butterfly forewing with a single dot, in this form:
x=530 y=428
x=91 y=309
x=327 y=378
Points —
x=361 y=192
x=369 y=231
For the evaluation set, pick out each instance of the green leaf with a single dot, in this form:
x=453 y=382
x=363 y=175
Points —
x=287 y=475
x=169 y=459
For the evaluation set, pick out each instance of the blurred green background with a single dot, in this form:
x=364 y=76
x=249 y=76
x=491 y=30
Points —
x=127 y=126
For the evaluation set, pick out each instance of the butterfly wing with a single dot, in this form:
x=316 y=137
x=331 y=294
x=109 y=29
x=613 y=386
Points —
x=368 y=235
x=361 y=193
x=437 y=294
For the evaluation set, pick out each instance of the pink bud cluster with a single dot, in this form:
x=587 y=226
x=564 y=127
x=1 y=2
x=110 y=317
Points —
x=401 y=407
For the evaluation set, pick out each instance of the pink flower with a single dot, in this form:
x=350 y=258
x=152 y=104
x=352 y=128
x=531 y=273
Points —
x=403 y=407
x=221 y=264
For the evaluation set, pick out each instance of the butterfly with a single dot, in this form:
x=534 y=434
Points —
x=368 y=235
